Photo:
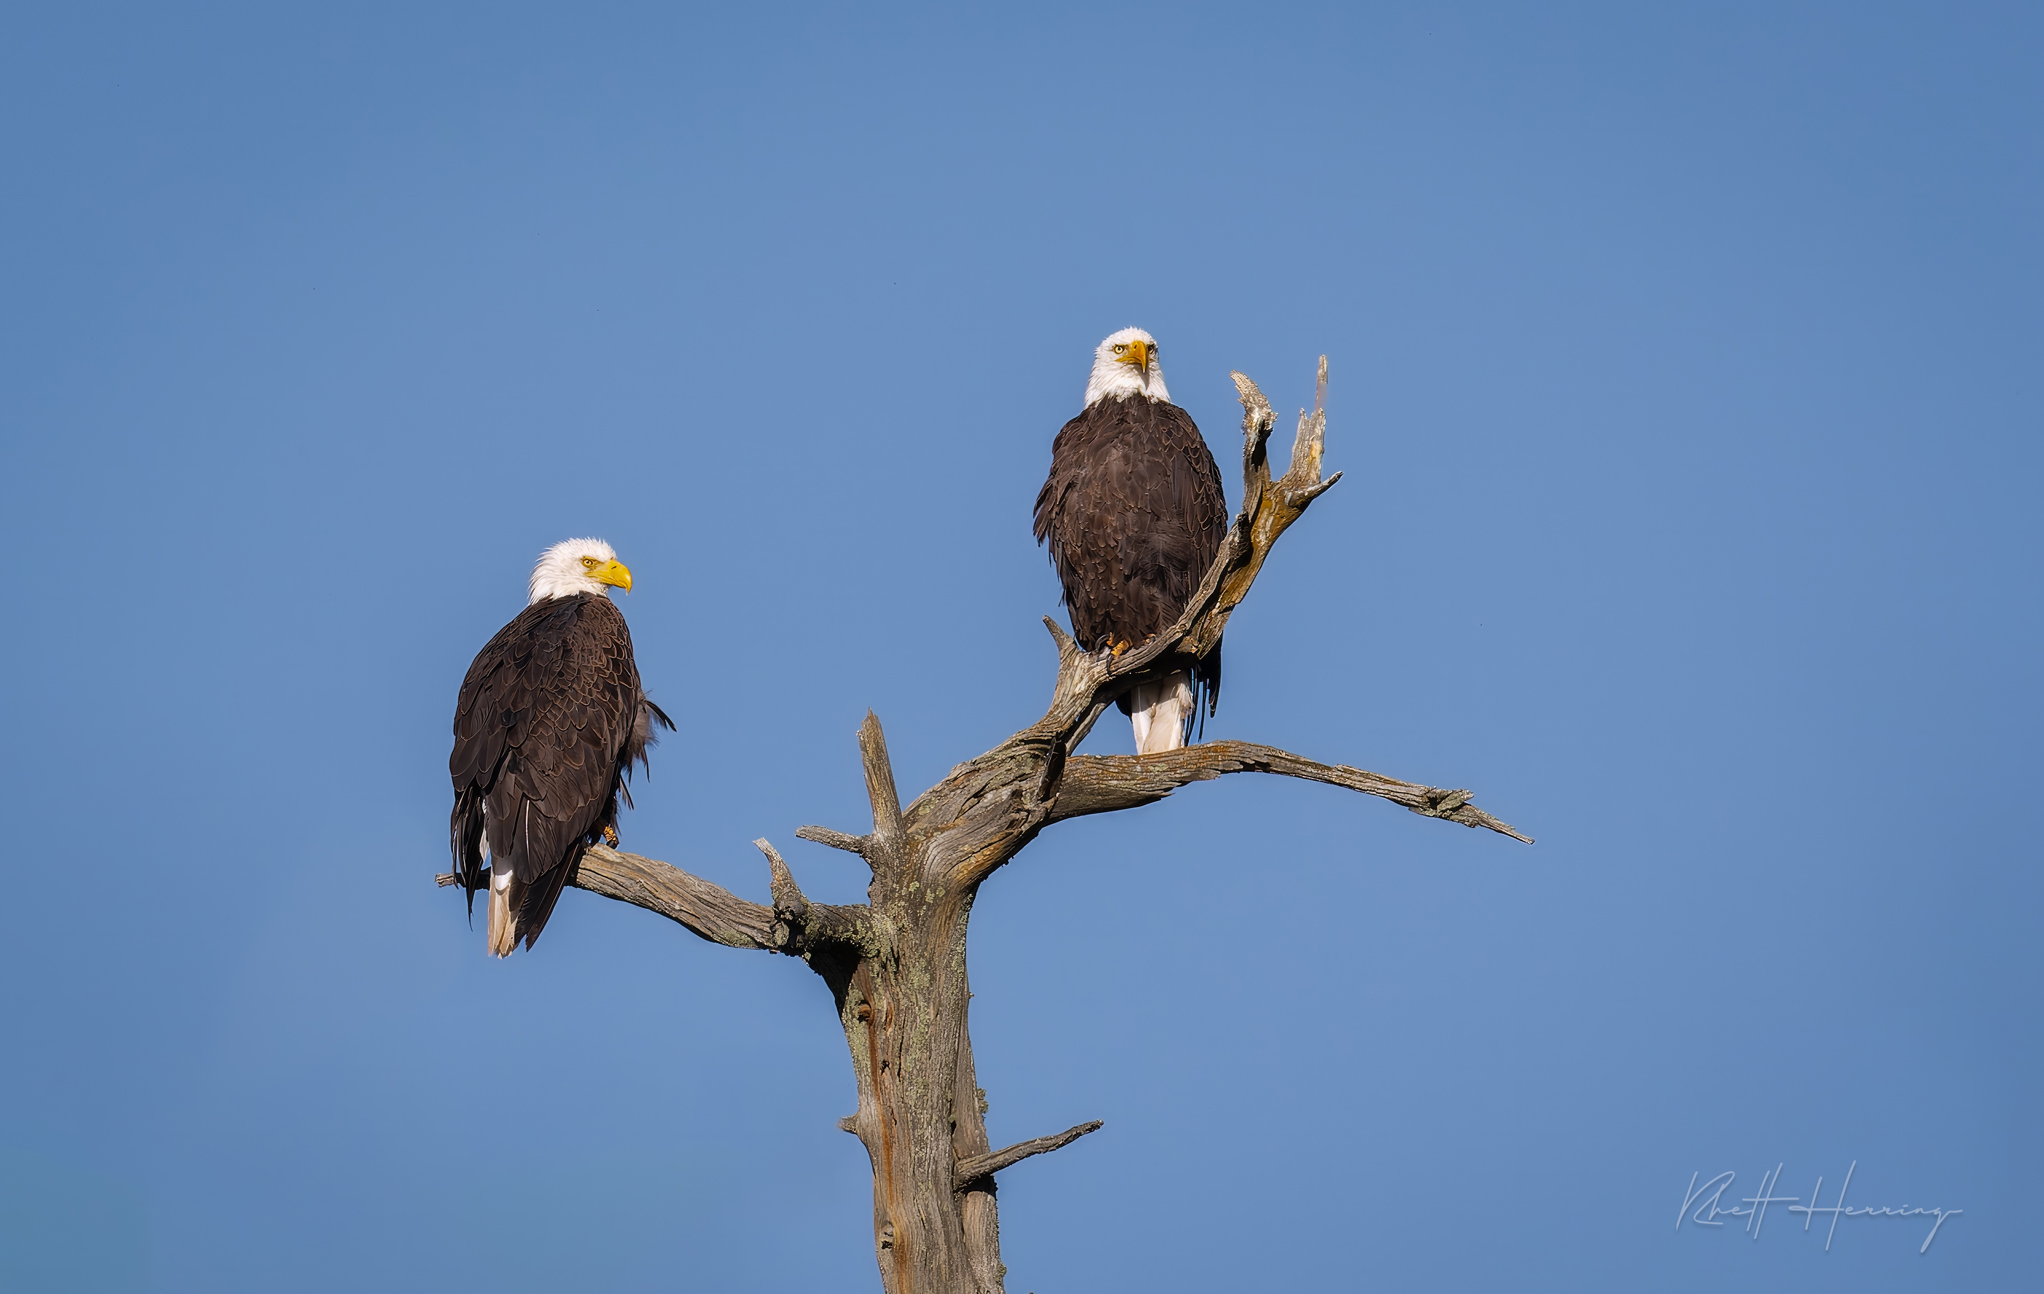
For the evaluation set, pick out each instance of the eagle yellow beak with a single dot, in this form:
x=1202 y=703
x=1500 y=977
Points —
x=1138 y=356
x=613 y=572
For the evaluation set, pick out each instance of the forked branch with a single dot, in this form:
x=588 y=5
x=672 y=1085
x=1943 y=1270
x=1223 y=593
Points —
x=881 y=849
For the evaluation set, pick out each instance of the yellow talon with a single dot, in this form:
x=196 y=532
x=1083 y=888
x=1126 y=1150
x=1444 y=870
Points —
x=610 y=836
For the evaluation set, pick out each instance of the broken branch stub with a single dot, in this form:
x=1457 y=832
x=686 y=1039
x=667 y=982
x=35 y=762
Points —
x=979 y=1167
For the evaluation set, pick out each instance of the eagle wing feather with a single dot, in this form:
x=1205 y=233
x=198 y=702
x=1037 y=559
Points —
x=1134 y=512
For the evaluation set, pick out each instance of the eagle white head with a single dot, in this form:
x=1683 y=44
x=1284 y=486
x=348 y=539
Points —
x=1126 y=364
x=578 y=566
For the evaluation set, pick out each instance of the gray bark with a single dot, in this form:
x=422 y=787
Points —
x=896 y=964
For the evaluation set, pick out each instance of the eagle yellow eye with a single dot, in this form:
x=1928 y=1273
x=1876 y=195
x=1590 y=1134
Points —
x=590 y=563
x=1121 y=348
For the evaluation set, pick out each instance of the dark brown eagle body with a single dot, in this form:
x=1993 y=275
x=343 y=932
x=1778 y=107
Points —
x=1135 y=514
x=550 y=721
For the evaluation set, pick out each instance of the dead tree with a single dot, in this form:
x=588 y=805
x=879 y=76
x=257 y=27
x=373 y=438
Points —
x=896 y=964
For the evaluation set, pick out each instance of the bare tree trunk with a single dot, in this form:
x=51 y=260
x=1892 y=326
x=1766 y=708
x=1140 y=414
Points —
x=896 y=964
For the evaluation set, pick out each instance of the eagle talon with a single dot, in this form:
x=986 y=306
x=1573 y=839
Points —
x=610 y=836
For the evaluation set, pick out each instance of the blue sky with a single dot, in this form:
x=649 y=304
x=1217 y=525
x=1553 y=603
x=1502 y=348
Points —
x=1685 y=375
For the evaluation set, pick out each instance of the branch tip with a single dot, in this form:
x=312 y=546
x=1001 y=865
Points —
x=835 y=839
x=1313 y=492
x=880 y=782
x=1104 y=783
x=789 y=903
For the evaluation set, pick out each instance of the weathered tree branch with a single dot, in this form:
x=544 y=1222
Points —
x=835 y=839
x=802 y=928
x=705 y=909
x=713 y=912
x=789 y=903
x=1104 y=783
x=791 y=906
x=978 y=1167
x=886 y=838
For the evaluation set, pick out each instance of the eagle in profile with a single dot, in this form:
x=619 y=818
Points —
x=550 y=721
x=1135 y=515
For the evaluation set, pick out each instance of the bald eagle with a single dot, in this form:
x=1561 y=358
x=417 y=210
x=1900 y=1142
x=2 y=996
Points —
x=1134 y=514
x=550 y=721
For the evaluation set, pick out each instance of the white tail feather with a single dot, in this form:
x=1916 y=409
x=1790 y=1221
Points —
x=503 y=926
x=1159 y=711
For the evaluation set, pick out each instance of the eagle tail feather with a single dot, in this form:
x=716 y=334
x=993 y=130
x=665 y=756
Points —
x=1161 y=714
x=503 y=928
